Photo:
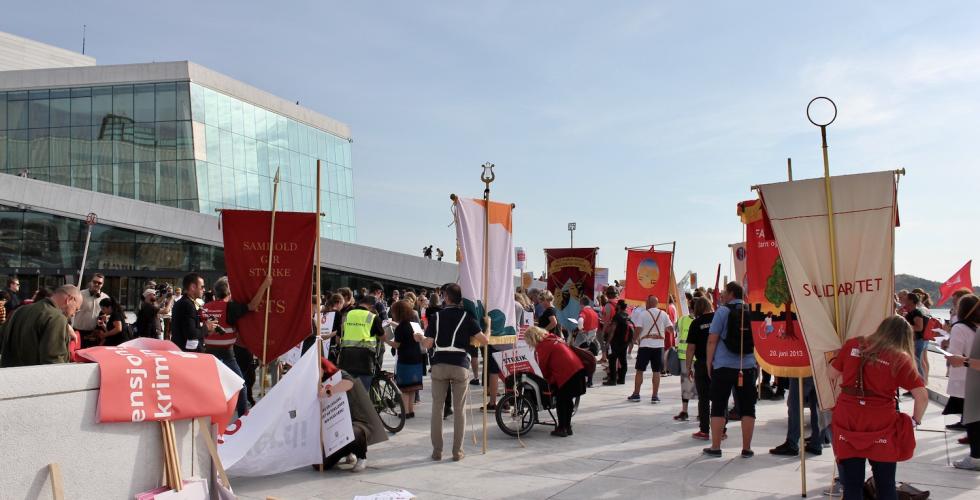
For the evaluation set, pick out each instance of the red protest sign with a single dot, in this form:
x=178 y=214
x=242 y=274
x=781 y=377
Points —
x=139 y=384
x=246 y=238
x=956 y=282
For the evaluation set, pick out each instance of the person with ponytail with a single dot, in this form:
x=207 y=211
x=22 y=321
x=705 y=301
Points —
x=865 y=424
x=968 y=315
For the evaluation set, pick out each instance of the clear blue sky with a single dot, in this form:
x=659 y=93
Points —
x=641 y=122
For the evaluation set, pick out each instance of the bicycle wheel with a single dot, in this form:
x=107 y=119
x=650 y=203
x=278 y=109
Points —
x=388 y=403
x=516 y=415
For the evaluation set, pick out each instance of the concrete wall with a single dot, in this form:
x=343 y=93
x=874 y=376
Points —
x=48 y=414
x=22 y=53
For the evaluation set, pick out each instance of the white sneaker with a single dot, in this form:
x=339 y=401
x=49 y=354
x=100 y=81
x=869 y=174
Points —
x=350 y=459
x=834 y=491
x=360 y=465
x=968 y=463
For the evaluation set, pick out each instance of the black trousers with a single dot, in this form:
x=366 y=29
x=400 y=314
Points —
x=358 y=447
x=973 y=434
x=852 y=478
x=702 y=383
x=618 y=355
x=246 y=363
x=575 y=386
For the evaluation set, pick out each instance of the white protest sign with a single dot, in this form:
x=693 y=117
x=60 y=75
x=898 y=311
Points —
x=335 y=420
x=517 y=360
x=281 y=432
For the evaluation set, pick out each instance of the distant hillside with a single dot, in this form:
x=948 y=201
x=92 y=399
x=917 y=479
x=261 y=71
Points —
x=908 y=282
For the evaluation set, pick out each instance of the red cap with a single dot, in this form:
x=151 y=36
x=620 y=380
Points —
x=328 y=368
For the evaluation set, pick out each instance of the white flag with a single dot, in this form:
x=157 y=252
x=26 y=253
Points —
x=865 y=213
x=470 y=215
x=282 y=432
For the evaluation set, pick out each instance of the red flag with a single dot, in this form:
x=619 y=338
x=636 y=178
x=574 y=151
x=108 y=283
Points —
x=647 y=273
x=246 y=236
x=959 y=280
x=717 y=293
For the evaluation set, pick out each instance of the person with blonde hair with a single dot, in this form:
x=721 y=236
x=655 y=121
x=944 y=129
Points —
x=562 y=369
x=866 y=425
x=548 y=319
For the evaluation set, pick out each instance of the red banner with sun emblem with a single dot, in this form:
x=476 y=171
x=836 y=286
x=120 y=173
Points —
x=648 y=272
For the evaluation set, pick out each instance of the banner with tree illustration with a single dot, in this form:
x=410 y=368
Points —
x=779 y=346
x=571 y=276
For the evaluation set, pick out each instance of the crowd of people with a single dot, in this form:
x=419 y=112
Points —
x=709 y=348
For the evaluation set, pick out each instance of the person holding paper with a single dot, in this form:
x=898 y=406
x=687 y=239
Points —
x=450 y=331
x=968 y=311
x=189 y=327
x=365 y=423
x=408 y=367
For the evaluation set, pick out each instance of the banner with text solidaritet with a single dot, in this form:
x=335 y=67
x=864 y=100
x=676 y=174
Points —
x=779 y=346
x=865 y=216
x=282 y=431
x=246 y=239
x=145 y=380
x=648 y=272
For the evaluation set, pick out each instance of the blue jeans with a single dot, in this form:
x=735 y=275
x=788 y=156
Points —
x=852 y=478
x=793 y=402
x=920 y=345
x=227 y=356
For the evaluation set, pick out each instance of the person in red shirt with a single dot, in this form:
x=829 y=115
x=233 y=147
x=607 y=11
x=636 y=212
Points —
x=562 y=369
x=866 y=425
x=605 y=323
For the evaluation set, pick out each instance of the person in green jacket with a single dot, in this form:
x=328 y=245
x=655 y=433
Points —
x=37 y=334
x=687 y=381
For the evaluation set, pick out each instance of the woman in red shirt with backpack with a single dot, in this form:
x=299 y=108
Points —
x=866 y=424
x=562 y=369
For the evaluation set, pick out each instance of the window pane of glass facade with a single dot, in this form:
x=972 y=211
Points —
x=17 y=114
x=166 y=102
x=122 y=101
x=183 y=108
x=39 y=113
x=60 y=142
x=148 y=181
x=60 y=112
x=81 y=111
x=144 y=103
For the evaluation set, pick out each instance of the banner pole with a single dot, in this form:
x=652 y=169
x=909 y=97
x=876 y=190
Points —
x=319 y=305
x=802 y=443
x=486 y=288
x=268 y=291
x=830 y=207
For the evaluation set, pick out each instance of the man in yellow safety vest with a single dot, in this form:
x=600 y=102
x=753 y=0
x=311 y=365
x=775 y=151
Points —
x=359 y=341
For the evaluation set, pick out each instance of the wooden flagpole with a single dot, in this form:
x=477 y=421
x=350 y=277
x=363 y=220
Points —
x=319 y=304
x=268 y=292
x=831 y=231
x=486 y=287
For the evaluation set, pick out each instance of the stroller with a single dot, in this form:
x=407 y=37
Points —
x=526 y=396
x=586 y=340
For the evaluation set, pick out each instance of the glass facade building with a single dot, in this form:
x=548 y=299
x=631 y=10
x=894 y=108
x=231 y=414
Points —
x=176 y=143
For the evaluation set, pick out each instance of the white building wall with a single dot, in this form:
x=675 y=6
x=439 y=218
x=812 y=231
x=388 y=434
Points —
x=48 y=415
x=22 y=53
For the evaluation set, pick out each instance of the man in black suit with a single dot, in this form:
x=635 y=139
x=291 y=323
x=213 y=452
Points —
x=188 y=327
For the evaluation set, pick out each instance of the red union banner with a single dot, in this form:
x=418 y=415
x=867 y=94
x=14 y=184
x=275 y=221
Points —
x=648 y=272
x=246 y=237
x=779 y=346
x=148 y=380
x=571 y=275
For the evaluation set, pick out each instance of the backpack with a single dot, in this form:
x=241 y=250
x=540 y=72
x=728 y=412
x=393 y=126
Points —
x=738 y=338
x=587 y=359
x=673 y=362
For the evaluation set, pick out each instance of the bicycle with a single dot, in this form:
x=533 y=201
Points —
x=387 y=399
x=526 y=395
